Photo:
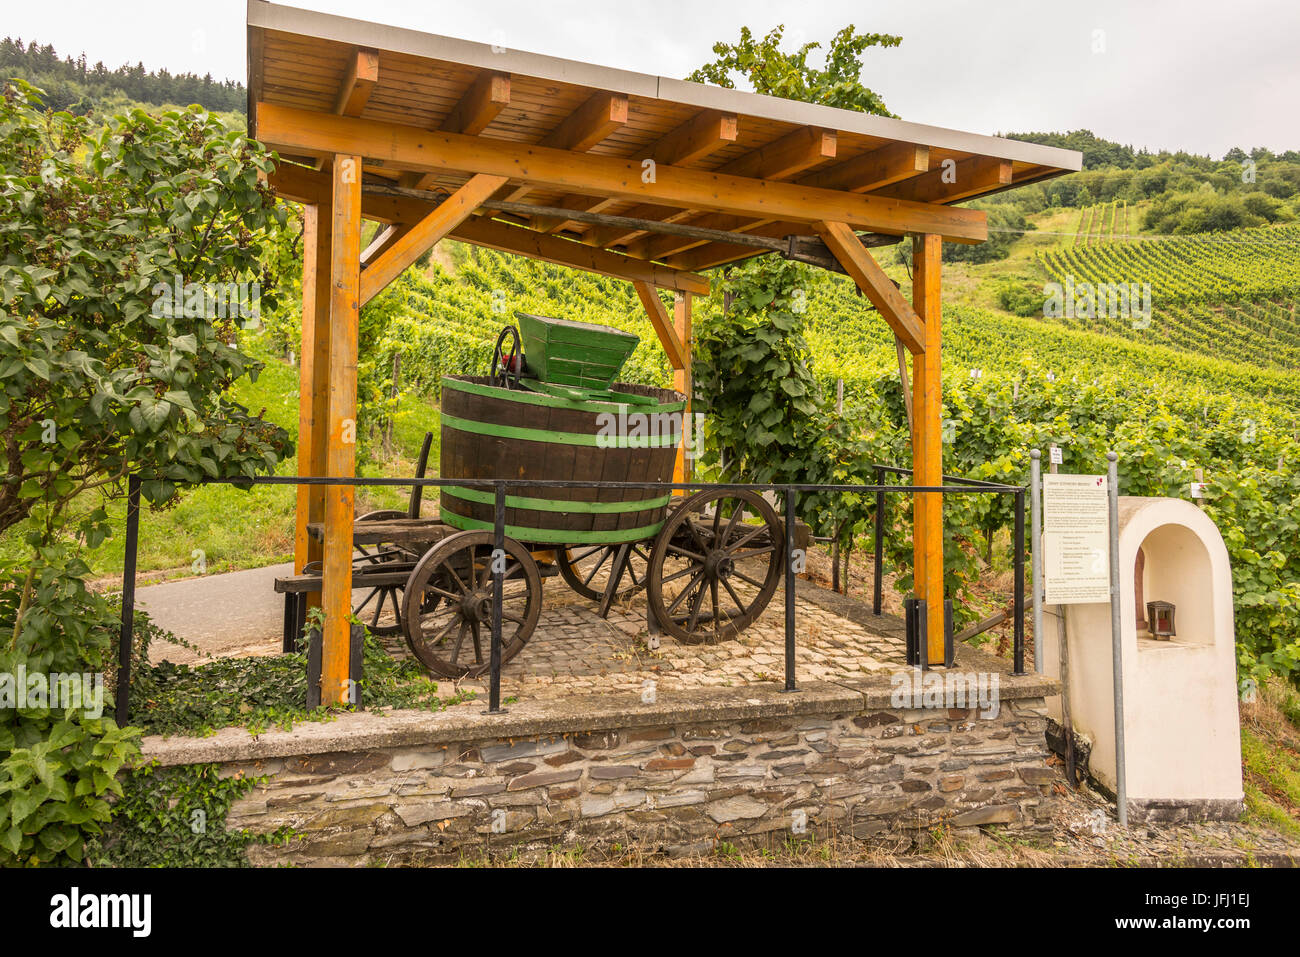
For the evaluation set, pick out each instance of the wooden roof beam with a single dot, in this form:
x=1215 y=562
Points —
x=477 y=107
x=482 y=231
x=302 y=185
x=874 y=169
x=953 y=181
x=358 y=83
x=713 y=254
x=782 y=158
x=487 y=96
x=704 y=133
x=404 y=147
x=582 y=129
x=423 y=235
x=871 y=170
x=875 y=285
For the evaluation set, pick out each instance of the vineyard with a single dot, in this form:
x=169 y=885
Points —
x=1233 y=295
x=1106 y=222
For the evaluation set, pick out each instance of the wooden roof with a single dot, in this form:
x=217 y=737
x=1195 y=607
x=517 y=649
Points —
x=388 y=77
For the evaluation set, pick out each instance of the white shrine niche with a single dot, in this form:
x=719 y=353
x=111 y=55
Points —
x=1181 y=723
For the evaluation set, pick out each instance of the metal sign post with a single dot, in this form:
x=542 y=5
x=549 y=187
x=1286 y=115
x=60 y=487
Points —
x=1117 y=646
x=1036 y=539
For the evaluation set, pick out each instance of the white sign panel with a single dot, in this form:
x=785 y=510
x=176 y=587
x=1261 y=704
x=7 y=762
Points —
x=1076 y=539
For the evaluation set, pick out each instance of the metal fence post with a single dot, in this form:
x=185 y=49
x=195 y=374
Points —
x=498 y=586
x=1036 y=536
x=789 y=588
x=1018 y=642
x=878 y=585
x=127 y=637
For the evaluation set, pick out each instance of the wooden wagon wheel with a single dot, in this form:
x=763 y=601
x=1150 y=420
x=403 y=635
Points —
x=715 y=565
x=580 y=565
x=383 y=594
x=447 y=604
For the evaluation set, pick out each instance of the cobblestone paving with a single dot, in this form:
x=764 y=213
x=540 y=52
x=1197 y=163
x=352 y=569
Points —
x=574 y=651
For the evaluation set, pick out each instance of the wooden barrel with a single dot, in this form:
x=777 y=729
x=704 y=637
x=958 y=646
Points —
x=491 y=433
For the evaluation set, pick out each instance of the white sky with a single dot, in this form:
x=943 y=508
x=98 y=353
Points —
x=1201 y=75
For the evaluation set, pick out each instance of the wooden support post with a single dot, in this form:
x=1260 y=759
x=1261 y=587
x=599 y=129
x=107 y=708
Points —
x=313 y=383
x=682 y=469
x=340 y=510
x=927 y=442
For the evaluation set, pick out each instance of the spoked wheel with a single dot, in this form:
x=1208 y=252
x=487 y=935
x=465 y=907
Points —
x=507 y=360
x=447 y=604
x=715 y=565
x=586 y=568
x=375 y=557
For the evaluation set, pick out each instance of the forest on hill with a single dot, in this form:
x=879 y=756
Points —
x=73 y=84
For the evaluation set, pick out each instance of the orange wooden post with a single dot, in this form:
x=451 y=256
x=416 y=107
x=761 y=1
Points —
x=927 y=440
x=683 y=468
x=313 y=382
x=344 y=310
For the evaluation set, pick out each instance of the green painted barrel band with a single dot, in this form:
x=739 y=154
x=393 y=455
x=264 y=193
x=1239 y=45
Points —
x=553 y=401
x=555 y=505
x=560 y=438
x=552 y=536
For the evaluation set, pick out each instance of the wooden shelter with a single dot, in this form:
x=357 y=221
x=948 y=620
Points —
x=645 y=178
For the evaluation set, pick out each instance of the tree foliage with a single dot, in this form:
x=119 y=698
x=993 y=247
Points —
x=769 y=70
x=103 y=374
x=99 y=377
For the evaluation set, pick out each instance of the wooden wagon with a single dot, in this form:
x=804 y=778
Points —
x=709 y=563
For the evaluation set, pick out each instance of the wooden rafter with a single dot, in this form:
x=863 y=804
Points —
x=873 y=170
x=678 y=357
x=416 y=241
x=406 y=147
x=953 y=182
x=778 y=160
x=302 y=185
x=705 y=133
x=875 y=285
x=487 y=96
x=582 y=129
x=358 y=83
x=482 y=231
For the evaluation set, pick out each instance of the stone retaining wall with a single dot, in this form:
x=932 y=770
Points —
x=741 y=766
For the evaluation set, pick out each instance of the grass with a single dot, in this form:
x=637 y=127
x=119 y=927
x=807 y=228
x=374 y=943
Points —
x=1270 y=755
x=229 y=528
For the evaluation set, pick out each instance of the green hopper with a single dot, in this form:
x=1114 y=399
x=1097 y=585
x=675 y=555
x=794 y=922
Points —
x=580 y=354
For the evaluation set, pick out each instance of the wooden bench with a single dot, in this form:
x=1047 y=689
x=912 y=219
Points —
x=295 y=589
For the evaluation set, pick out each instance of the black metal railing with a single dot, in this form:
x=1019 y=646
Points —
x=788 y=492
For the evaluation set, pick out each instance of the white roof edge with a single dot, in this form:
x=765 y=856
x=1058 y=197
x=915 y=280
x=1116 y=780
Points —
x=269 y=16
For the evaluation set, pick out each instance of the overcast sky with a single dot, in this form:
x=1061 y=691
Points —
x=1201 y=75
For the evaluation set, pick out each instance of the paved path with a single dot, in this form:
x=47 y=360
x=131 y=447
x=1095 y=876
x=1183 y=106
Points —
x=237 y=614
x=573 y=650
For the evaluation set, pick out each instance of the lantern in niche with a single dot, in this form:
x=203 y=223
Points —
x=1160 y=619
